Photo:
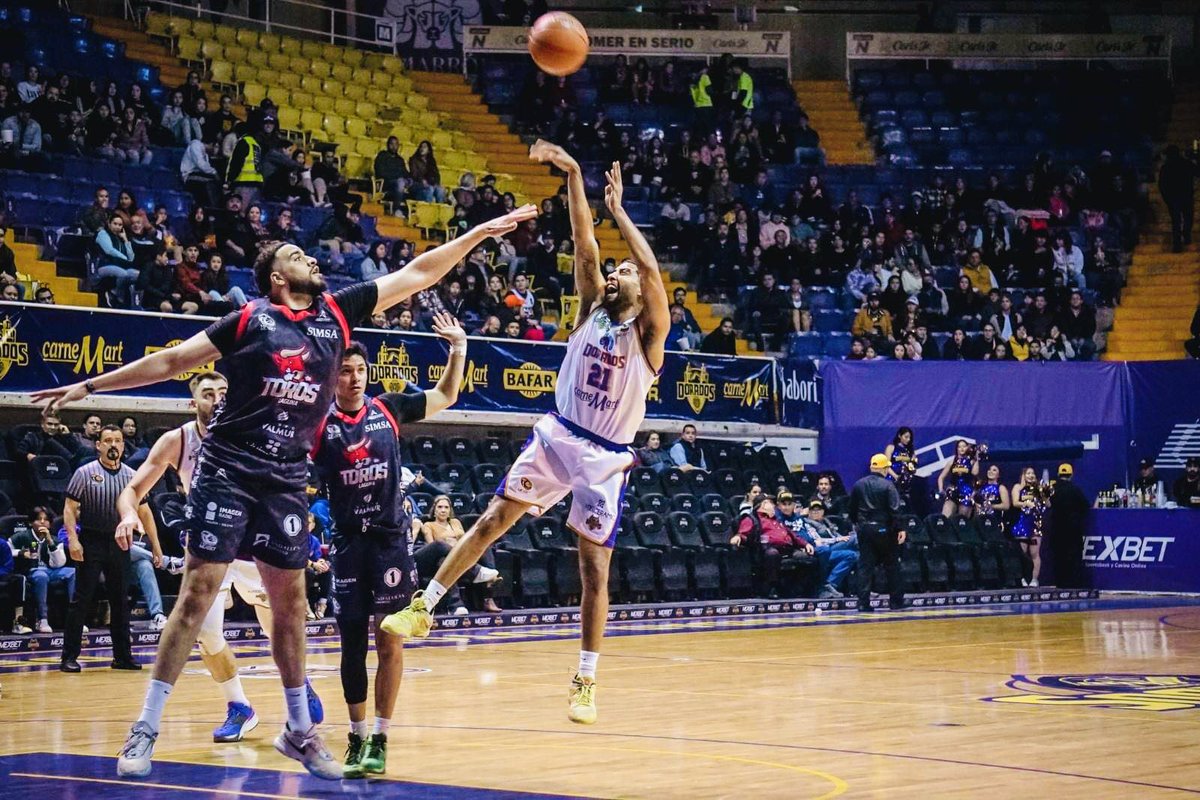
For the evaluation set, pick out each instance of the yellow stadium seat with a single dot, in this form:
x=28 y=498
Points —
x=344 y=106
x=312 y=49
x=377 y=96
x=367 y=111
x=426 y=119
x=248 y=38
x=356 y=127
x=332 y=87
x=342 y=72
x=188 y=49
x=288 y=80
x=451 y=159
x=253 y=93
x=356 y=166
x=270 y=42
x=381 y=79
x=225 y=33
x=354 y=91
x=280 y=62
x=391 y=63
x=331 y=53
x=441 y=140
x=289 y=117
x=367 y=147
x=236 y=53
x=417 y=101
x=258 y=59
x=311 y=83
x=160 y=26
x=202 y=29
x=323 y=103
x=221 y=74
x=352 y=57
x=333 y=124
x=311 y=120
x=302 y=100
x=303 y=66
x=373 y=61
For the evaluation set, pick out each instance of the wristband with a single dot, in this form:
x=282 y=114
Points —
x=91 y=387
x=459 y=349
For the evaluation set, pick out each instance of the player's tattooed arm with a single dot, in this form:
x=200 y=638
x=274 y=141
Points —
x=589 y=282
x=428 y=268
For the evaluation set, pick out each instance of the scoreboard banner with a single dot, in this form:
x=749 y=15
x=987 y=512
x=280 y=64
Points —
x=641 y=42
x=42 y=346
x=1009 y=46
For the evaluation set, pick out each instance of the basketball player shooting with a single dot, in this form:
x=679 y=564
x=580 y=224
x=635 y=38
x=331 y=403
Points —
x=613 y=357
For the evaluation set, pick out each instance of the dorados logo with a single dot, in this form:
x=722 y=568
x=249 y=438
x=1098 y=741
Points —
x=1120 y=691
x=183 y=376
x=477 y=376
x=695 y=387
x=749 y=393
x=393 y=369
x=529 y=380
x=85 y=356
x=12 y=352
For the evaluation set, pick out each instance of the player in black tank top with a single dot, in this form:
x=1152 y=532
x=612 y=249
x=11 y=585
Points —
x=250 y=477
x=358 y=459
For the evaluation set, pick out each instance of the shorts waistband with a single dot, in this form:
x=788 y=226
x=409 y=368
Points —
x=584 y=433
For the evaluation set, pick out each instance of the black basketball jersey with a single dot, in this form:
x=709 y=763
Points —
x=358 y=457
x=282 y=367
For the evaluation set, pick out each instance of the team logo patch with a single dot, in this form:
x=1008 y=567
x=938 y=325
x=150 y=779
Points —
x=359 y=451
x=12 y=352
x=291 y=524
x=98 y=478
x=265 y=322
x=208 y=540
x=291 y=362
x=695 y=387
x=593 y=523
x=526 y=485
x=392 y=577
x=1129 y=692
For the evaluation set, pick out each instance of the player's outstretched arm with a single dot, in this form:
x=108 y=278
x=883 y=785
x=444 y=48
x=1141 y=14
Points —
x=163 y=454
x=655 y=319
x=589 y=283
x=428 y=268
x=445 y=393
x=154 y=368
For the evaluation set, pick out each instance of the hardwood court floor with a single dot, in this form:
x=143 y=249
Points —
x=917 y=704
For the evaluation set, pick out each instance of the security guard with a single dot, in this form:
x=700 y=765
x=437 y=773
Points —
x=874 y=506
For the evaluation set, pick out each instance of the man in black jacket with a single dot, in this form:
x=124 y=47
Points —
x=1068 y=513
x=53 y=439
x=874 y=511
x=1177 y=182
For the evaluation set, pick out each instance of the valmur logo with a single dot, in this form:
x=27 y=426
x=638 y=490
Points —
x=1109 y=550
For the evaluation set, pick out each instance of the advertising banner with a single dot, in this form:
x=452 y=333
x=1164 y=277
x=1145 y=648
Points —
x=641 y=42
x=1147 y=550
x=866 y=402
x=1164 y=406
x=42 y=346
x=427 y=34
x=800 y=394
x=1014 y=46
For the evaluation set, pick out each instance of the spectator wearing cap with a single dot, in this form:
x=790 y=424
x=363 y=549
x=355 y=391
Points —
x=774 y=540
x=1068 y=518
x=834 y=556
x=874 y=510
x=1186 y=489
x=1146 y=480
x=911 y=248
x=685 y=453
x=1078 y=325
x=872 y=320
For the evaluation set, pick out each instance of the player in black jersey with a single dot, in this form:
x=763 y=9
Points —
x=281 y=354
x=358 y=458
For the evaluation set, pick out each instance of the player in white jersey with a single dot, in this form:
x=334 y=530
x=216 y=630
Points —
x=177 y=449
x=583 y=447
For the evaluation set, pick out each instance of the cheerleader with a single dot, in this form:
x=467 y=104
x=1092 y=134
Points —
x=1029 y=498
x=903 y=455
x=992 y=499
x=961 y=470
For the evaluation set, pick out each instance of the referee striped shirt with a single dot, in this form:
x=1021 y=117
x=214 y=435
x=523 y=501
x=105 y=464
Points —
x=96 y=488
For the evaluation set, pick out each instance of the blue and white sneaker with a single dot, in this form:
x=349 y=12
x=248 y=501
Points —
x=316 y=710
x=134 y=760
x=240 y=720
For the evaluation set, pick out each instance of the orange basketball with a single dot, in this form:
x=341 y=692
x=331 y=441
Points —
x=558 y=43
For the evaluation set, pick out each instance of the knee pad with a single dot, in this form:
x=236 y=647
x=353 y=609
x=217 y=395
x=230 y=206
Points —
x=354 y=659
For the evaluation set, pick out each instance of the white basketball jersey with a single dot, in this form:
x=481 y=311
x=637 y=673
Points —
x=604 y=378
x=189 y=448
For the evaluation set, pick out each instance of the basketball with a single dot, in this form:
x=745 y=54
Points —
x=558 y=43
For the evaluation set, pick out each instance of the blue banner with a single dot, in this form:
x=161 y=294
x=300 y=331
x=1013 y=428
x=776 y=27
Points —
x=44 y=346
x=1143 y=550
x=1078 y=404
x=1164 y=404
x=800 y=394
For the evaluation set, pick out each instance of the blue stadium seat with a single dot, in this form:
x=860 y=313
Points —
x=806 y=345
x=837 y=345
x=830 y=321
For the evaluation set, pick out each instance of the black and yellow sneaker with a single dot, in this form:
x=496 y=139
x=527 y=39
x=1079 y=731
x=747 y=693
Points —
x=374 y=754
x=352 y=767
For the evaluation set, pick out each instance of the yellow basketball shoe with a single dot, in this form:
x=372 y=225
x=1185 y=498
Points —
x=581 y=702
x=412 y=622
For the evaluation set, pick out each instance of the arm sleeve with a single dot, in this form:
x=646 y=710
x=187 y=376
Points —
x=405 y=406
x=223 y=333
x=357 y=302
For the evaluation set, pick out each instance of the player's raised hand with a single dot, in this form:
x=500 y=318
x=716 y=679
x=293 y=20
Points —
x=501 y=226
x=59 y=397
x=545 y=152
x=129 y=527
x=614 y=189
x=447 y=327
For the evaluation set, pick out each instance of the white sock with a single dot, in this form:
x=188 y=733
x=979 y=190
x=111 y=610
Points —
x=359 y=727
x=232 y=689
x=434 y=592
x=381 y=725
x=156 y=700
x=587 y=664
x=297 y=709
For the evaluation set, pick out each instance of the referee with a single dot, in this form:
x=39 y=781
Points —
x=874 y=507
x=90 y=517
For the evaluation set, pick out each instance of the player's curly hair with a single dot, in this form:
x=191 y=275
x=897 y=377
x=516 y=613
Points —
x=264 y=264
